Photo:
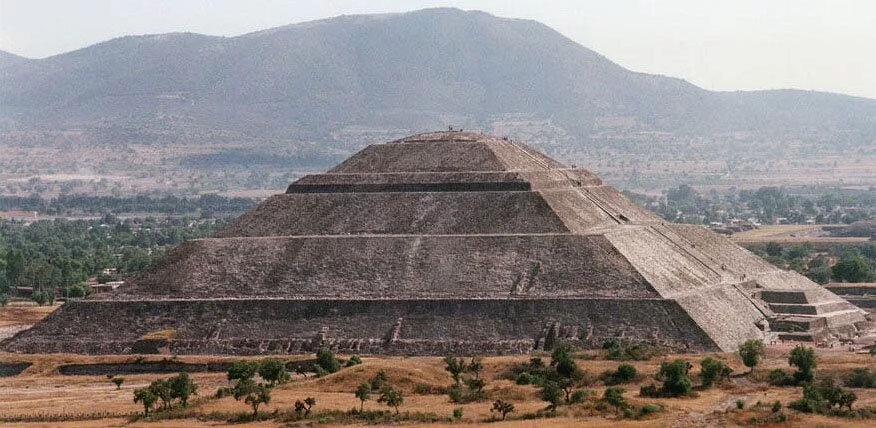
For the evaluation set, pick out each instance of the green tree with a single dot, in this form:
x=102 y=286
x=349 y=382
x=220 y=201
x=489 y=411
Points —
x=799 y=251
x=773 y=249
x=456 y=367
x=182 y=387
x=391 y=397
x=551 y=393
x=302 y=408
x=751 y=353
x=820 y=274
x=804 y=358
x=615 y=397
x=561 y=358
x=847 y=398
x=363 y=393
x=274 y=371
x=853 y=268
x=14 y=267
x=145 y=396
x=252 y=393
x=502 y=407
x=118 y=381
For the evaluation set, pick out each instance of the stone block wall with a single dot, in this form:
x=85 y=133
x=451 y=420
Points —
x=401 y=327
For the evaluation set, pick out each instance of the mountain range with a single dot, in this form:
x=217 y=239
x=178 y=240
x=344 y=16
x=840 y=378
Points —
x=409 y=71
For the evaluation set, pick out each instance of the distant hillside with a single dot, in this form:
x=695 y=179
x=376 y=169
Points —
x=410 y=71
x=7 y=59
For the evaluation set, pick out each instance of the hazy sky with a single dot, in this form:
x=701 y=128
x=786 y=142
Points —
x=825 y=45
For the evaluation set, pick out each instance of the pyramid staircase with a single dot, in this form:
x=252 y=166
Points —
x=810 y=316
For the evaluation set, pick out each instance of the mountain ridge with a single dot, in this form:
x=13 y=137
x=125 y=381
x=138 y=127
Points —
x=414 y=70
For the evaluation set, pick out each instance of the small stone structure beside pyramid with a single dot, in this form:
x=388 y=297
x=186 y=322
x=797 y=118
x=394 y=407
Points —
x=448 y=242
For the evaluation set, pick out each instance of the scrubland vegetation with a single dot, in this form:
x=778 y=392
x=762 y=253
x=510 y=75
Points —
x=561 y=388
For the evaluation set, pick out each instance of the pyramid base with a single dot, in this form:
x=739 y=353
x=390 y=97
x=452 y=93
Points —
x=394 y=327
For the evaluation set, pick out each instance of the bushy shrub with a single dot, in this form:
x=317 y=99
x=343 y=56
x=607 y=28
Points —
x=354 y=360
x=861 y=377
x=624 y=351
x=580 y=395
x=320 y=372
x=780 y=377
x=642 y=411
x=325 y=358
x=674 y=375
x=776 y=406
x=823 y=397
x=524 y=379
x=378 y=380
x=614 y=396
x=78 y=290
x=713 y=370
x=625 y=373
x=649 y=390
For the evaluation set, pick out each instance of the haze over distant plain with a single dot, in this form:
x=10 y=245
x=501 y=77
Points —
x=739 y=45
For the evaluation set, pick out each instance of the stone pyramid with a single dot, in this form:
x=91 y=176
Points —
x=448 y=242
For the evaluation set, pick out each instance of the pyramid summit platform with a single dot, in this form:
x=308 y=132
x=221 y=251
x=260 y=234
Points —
x=448 y=242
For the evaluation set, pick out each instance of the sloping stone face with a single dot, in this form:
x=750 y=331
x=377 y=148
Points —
x=446 y=242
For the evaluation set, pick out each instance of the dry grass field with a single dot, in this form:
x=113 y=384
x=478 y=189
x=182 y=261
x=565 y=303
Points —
x=41 y=390
x=792 y=234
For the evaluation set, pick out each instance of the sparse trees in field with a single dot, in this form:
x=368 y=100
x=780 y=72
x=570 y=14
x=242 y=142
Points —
x=179 y=387
x=146 y=397
x=161 y=389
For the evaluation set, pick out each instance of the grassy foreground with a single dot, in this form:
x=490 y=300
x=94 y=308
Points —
x=41 y=397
